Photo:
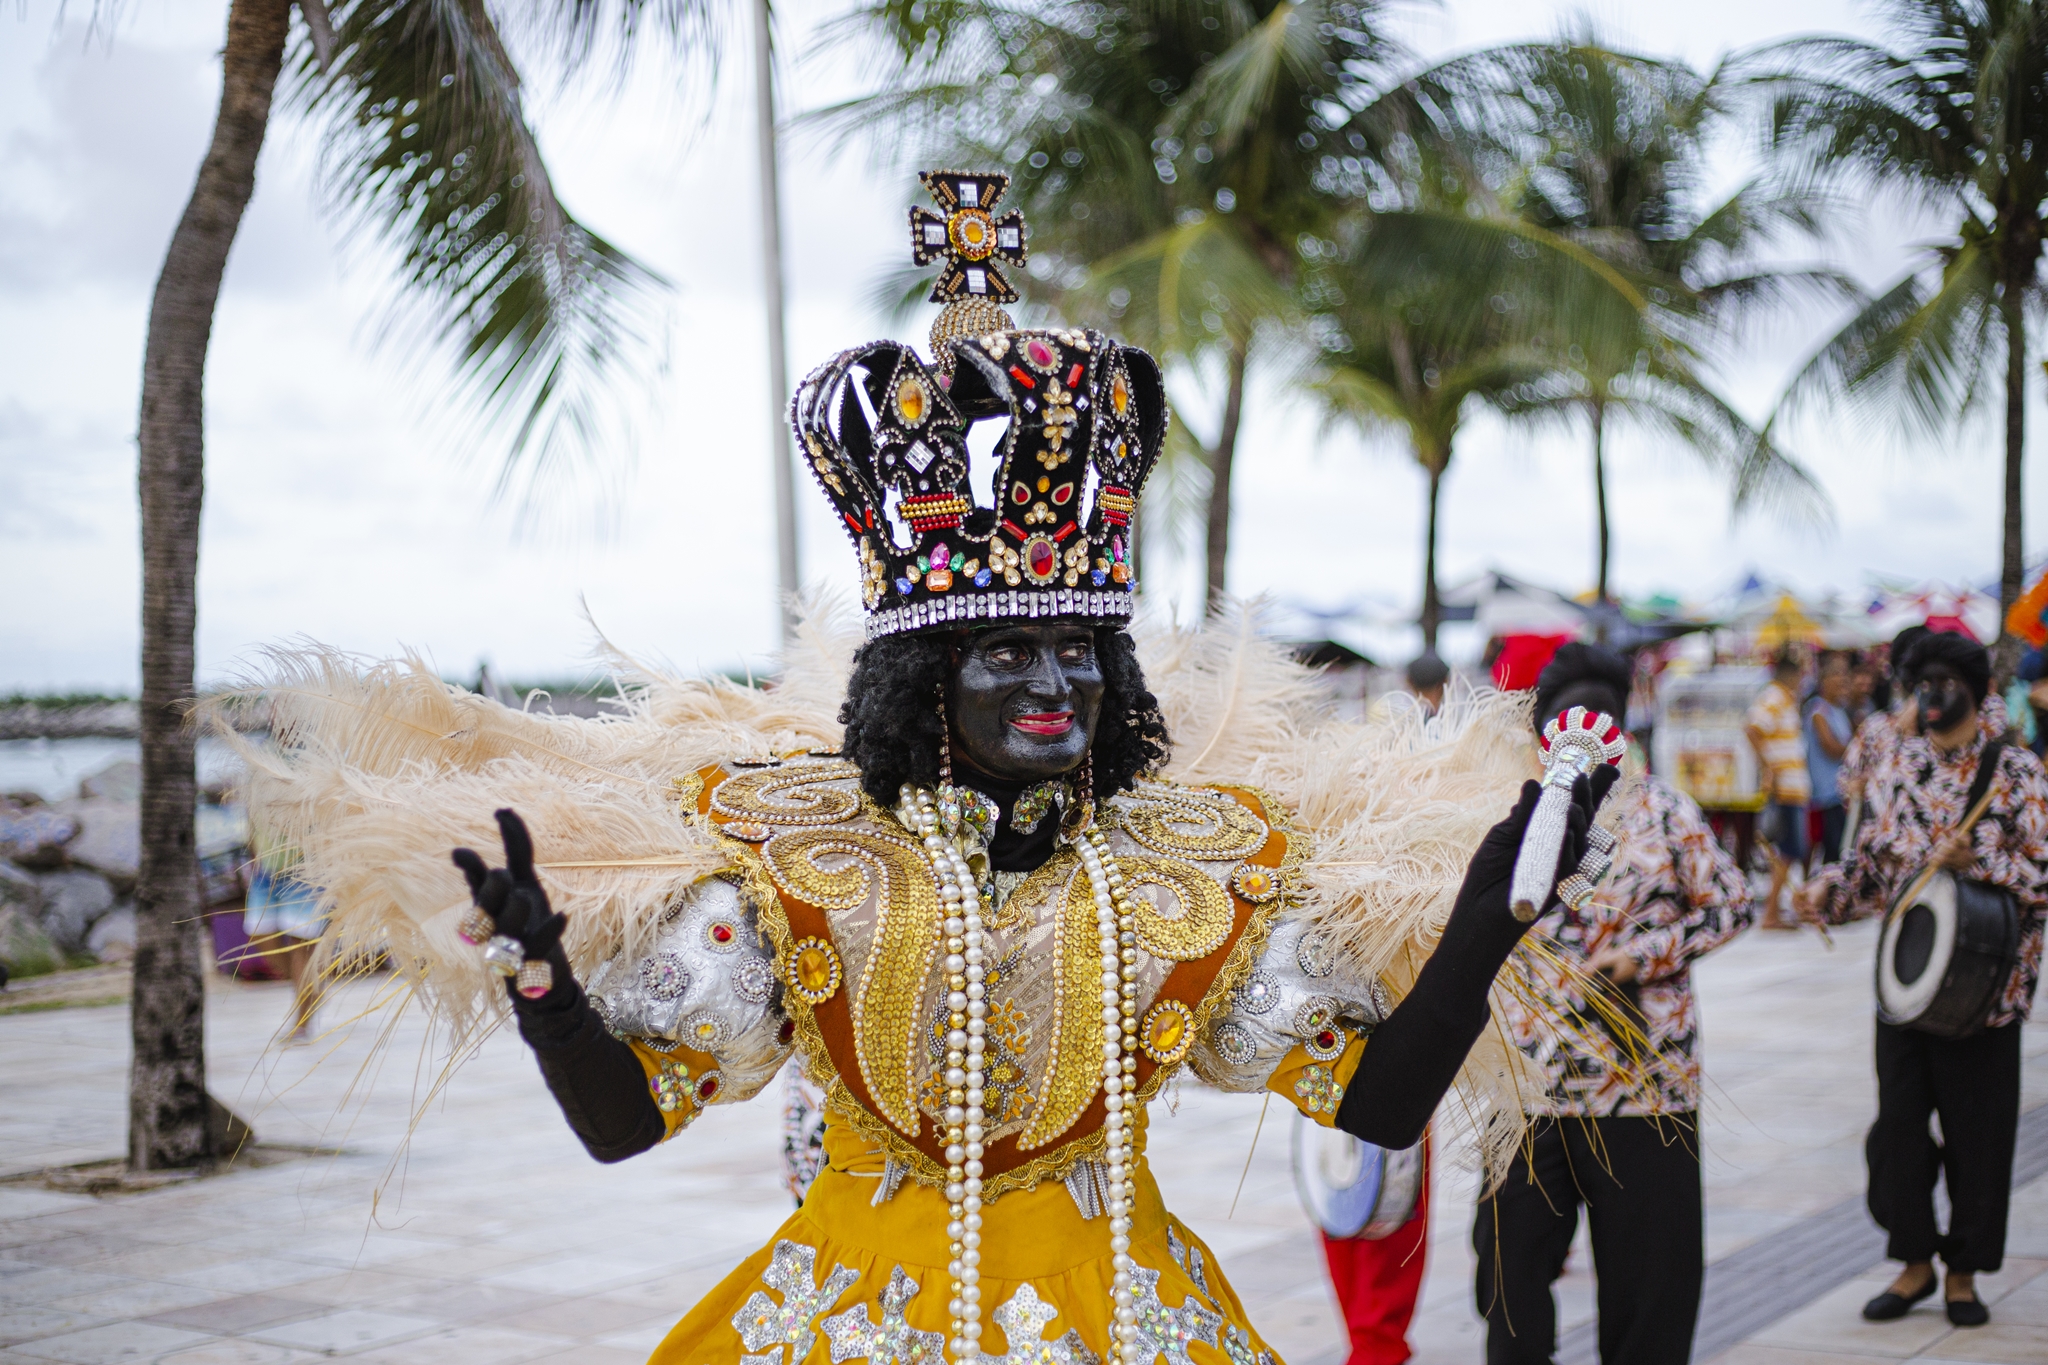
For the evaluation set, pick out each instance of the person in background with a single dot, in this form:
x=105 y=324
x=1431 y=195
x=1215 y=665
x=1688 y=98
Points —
x=282 y=919
x=1778 y=736
x=1378 y=1282
x=1863 y=681
x=1427 y=678
x=2032 y=680
x=1619 y=1132
x=1828 y=733
x=1917 y=801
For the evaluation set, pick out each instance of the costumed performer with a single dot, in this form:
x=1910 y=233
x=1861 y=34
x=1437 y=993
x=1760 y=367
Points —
x=988 y=925
x=1915 y=804
x=1617 y=1131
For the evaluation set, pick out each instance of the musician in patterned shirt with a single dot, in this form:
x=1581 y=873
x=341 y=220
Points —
x=1619 y=1132
x=1915 y=802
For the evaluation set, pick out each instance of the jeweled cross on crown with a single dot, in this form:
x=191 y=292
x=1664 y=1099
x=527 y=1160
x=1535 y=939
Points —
x=969 y=236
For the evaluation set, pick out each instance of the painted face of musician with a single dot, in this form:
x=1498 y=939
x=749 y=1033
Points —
x=1025 y=699
x=1943 y=698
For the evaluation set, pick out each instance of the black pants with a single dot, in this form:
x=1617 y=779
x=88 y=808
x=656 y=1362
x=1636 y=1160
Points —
x=1974 y=1084
x=1640 y=1182
x=1834 y=823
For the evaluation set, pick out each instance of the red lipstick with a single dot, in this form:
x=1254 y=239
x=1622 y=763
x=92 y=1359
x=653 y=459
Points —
x=1045 y=722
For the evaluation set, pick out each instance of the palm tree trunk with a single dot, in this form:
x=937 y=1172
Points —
x=1599 y=411
x=2012 y=561
x=167 y=1103
x=1220 y=460
x=1432 y=605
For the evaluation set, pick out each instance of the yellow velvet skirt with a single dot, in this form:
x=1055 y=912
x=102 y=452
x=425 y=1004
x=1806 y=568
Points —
x=847 y=1279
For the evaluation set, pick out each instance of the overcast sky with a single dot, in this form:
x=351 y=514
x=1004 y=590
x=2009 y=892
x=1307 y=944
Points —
x=337 y=508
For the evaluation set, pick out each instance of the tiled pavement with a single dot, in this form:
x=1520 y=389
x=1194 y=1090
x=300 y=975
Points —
x=490 y=1238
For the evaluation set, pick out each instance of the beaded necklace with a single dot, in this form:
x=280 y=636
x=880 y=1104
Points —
x=966 y=1119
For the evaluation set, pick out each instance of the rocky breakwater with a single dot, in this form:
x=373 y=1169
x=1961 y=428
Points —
x=68 y=870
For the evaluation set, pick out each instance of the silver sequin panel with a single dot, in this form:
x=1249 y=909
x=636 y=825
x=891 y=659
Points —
x=1294 y=990
x=708 y=981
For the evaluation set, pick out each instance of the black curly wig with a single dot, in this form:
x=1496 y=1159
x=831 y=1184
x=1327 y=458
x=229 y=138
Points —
x=892 y=723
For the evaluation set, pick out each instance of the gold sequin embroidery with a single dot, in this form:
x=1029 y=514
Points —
x=839 y=870
x=1074 y=1063
x=1171 y=821
x=1205 y=915
x=798 y=794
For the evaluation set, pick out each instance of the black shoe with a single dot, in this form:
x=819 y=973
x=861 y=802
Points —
x=1888 y=1305
x=1969 y=1312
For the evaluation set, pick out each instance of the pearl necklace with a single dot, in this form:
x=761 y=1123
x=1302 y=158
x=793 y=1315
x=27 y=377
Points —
x=966 y=1116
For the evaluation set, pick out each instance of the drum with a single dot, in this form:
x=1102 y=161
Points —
x=1352 y=1188
x=1945 y=955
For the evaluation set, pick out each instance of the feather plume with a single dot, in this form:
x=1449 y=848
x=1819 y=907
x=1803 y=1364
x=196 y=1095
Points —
x=376 y=769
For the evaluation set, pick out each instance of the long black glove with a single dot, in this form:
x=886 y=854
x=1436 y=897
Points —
x=594 y=1077
x=1416 y=1051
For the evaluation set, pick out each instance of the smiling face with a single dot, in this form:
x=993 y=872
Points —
x=1025 y=699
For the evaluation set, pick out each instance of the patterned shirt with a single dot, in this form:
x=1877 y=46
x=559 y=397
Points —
x=1674 y=895
x=1913 y=802
x=1775 y=716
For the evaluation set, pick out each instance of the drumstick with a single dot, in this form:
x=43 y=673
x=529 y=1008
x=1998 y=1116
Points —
x=1926 y=874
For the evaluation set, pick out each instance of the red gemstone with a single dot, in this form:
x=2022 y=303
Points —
x=1040 y=353
x=707 y=1087
x=1326 y=1039
x=1041 y=558
x=786 y=1032
x=721 y=933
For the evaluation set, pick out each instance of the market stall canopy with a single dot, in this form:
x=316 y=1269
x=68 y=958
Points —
x=1505 y=607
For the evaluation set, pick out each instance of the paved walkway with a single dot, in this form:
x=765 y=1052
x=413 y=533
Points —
x=489 y=1238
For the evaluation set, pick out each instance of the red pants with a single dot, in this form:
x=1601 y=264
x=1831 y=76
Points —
x=1378 y=1283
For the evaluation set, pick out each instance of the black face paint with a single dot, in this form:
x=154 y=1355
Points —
x=1025 y=699
x=1943 y=704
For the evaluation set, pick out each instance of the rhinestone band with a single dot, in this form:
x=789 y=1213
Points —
x=1023 y=604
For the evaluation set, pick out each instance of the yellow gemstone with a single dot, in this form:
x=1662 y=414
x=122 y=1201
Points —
x=973 y=231
x=910 y=400
x=1167 y=1028
x=707 y=1030
x=1043 y=483
x=1257 y=884
x=1119 y=394
x=814 y=969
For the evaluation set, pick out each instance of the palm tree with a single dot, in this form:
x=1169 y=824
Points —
x=427 y=141
x=1170 y=155
x=1955 y=119
x=1609 y=153
x=1413 y=362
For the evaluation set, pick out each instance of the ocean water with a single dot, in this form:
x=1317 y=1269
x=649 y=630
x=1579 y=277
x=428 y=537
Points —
x=52 y=768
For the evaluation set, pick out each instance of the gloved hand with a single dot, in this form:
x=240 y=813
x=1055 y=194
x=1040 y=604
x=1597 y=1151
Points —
x=595 y=1078
x=1482 y=905
x=512 y=896
x=1414 y=1054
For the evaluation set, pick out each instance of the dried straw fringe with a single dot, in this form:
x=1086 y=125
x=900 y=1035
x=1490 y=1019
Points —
x=377 y=769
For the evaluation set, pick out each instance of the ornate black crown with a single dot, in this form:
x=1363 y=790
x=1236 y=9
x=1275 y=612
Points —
x=886 y=435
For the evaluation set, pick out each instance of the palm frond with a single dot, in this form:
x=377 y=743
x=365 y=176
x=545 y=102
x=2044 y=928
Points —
x=427 y=145
x=1916 y=350
x=1239 y=87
